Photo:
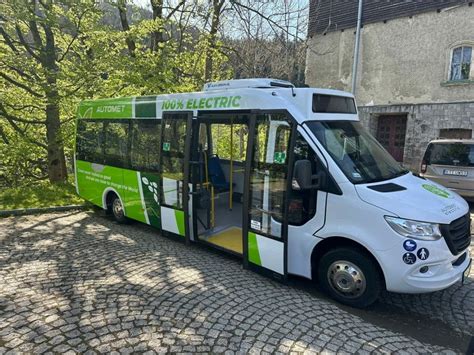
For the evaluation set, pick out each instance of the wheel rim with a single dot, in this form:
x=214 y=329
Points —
x=346 y=279
x=117 y=208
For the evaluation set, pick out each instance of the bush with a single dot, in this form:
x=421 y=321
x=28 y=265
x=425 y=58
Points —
x=42 y=194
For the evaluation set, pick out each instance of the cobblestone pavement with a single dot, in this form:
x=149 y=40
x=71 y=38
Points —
x=77 y=282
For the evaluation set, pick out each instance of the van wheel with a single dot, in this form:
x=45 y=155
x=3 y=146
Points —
x=118 y=211
x=350 y=277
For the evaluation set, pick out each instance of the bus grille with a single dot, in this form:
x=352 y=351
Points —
x=457 y=234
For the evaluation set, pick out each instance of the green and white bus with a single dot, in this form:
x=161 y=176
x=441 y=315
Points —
x=284 y=177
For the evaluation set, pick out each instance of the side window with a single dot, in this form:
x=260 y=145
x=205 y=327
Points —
x=145 y=145
x=302 y=204
x=268 y=173
x=90 y=141
x=221 y=141
x=461 y=60
x=116 y=141
x=172 y=169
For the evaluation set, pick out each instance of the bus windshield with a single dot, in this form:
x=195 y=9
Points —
x=361 y=158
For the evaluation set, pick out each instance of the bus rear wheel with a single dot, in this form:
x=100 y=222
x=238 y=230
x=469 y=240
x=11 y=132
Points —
x=117 y=210
x=350 y=276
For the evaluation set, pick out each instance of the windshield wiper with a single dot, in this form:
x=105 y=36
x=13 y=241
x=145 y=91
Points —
x=400 y=173
x=383 y=178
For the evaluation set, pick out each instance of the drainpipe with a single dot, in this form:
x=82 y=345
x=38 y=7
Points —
x=356 y=48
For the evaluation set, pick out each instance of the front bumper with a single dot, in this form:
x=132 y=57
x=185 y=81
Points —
x=438 y=277
x=444 y=269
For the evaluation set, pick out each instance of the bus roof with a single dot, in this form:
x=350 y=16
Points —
x=230 y=95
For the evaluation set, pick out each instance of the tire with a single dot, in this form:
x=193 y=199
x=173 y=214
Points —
x=117 y=210
x=350 y=276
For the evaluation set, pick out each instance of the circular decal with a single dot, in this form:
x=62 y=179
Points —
x=423 y=253
x=409 y=245
x=409 y=258
x=437 y=191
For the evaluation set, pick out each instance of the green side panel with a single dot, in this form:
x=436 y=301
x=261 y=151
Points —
x=151 y=192
x=180 y=222
x=254 y=255
x=93 y=179
x=110 y=108
x=145 y=107
x=133 y=201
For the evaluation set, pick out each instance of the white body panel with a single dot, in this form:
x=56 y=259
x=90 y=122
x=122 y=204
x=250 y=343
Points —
x=271 y=253
x=168 y=220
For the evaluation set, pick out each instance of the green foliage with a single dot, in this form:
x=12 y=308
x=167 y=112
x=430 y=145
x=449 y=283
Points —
x=92 y=60
x=39 y=195
x=93 y=54
x=221 y=138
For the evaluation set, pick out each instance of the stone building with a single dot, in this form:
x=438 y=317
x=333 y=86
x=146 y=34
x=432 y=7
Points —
x=415 y=76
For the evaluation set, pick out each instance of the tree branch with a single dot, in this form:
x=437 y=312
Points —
x=4 y=136
x=267 y=18
x=175 y=9
x=21 y=132
x=35 y=34
x=20 y=85
x=77 y=32
x=8 y=40
x=19 y=72
x=23 y=107
x=25 y=44
x=122 y=8
x=18 y=119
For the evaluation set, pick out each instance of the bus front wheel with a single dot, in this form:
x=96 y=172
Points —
x=350 y=277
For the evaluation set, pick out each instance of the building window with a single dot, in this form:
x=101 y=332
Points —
x=461 y=60
x=455 y=133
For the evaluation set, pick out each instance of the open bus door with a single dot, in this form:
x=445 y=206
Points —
x=174 y=168
x=267 y=186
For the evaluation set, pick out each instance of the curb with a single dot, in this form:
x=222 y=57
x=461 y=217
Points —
x=28 y=211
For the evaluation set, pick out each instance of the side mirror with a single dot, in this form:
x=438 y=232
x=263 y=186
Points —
x=304 y=178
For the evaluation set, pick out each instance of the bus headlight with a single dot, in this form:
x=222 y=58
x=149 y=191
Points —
x=414 y=229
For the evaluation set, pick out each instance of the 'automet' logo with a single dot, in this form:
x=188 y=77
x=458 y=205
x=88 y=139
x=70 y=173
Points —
x=203 y=103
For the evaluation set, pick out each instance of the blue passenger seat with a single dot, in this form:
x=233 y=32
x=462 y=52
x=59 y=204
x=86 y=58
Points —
x=216 y=174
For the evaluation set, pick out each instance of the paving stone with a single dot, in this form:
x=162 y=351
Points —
x=79 y=283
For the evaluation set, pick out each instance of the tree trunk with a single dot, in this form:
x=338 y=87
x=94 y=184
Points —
x=122 y=7
x=216 y=15
x=57 y=171
x=157 y=36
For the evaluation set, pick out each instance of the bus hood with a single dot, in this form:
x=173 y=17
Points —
x=415 y=198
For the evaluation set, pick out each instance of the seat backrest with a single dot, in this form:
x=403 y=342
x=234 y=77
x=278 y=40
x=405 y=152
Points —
x=216 y=174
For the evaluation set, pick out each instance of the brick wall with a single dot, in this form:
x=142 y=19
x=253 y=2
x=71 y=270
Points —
x=423 y=124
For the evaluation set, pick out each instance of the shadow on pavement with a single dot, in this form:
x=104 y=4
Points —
x=78 y=282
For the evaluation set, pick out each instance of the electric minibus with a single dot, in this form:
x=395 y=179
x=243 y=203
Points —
x=285 y=178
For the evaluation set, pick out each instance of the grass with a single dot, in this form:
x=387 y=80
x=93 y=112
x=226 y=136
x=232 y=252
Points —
x=40 y=195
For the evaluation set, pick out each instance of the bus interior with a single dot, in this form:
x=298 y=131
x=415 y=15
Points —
x=220 y=150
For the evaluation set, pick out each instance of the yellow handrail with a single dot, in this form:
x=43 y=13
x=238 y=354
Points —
x=207 y=188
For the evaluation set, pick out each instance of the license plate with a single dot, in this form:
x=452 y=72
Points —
x=466 y=272
x=455 y=172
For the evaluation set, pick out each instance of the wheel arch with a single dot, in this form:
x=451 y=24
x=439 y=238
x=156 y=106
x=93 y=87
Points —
x=330 y=243
x=107 y=198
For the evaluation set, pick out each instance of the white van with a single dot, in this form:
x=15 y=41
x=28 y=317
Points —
x=286 y=178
